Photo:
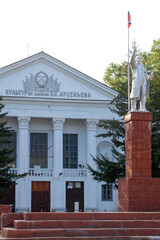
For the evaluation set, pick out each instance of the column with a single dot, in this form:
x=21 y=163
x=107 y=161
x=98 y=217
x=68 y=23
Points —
x=23 y=139
x=91 y=188
x=23 y=163
x=58 y=183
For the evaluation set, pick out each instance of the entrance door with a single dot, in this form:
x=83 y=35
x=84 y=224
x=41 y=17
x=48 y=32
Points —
x=74 y=193
x=40 y=196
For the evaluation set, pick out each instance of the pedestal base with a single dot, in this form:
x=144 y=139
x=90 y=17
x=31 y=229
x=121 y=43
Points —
x=139 y=194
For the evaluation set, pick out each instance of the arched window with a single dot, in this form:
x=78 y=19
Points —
x=105 y=148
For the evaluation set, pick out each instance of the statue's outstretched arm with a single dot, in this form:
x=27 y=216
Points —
x=150 y=77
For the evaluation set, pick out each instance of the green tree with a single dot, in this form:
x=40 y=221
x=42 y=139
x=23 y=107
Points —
x=116 y=78
x=153 y=105
x=7 y=178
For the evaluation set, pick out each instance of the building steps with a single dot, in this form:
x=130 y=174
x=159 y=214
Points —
x=23 y=224
x=88 y=238
x=48 y=226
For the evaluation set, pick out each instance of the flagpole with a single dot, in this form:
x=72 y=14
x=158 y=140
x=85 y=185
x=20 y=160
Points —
x=128 y=76
x=129 y=24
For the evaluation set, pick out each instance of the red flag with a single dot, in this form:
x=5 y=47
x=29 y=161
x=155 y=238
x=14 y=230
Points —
x=129 y=19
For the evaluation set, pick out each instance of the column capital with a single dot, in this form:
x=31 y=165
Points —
x=23 y=122
x=91 y=124
x=58 y=123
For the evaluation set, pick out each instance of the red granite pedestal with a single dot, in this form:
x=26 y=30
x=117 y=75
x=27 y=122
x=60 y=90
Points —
x=138 y=191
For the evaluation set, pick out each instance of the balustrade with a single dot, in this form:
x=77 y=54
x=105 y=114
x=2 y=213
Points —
x=74 y=173
x=13 y=170
x=41 y=172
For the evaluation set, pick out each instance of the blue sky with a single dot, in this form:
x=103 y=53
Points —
x=85 y=34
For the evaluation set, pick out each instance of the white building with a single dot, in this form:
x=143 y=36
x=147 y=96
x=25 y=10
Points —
x=54 y=110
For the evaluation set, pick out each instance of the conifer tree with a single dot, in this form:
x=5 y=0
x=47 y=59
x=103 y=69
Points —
x=108 y=171
x=7 y=178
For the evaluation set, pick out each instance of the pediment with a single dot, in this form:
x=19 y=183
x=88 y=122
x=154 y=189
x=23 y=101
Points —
x=42 y=76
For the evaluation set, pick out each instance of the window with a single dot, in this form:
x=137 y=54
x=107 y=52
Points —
x=71 y=185
x=70 y=150
x=10 y=145
x=38 y=149
x=107 y=194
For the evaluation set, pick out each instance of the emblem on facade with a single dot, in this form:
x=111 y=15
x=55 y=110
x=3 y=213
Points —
x=43 y=85
x=41 y=81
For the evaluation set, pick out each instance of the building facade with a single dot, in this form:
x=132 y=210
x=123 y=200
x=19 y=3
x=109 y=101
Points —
x=55 y=110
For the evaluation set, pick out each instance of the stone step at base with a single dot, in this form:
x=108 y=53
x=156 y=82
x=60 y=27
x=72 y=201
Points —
x=92 y=216
x=74 y=232
x=40 y=224
x=88 y=238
